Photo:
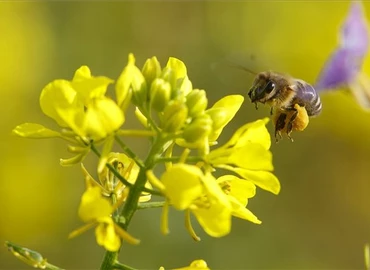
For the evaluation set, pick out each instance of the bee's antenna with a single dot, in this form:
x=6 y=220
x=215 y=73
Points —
x=242 y=68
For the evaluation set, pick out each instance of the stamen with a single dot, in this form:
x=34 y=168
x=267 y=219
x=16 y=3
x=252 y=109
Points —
x=164 y=219
x=189 y=227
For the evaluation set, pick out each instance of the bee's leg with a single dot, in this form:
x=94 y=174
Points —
x=289 y=128
x=256 y=105
x=271 y=111
x=279 y=125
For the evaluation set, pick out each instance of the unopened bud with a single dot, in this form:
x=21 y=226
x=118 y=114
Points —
x=169 y=76
x=130 y=85
x=160 y=94
x=197 y=102
x=199 y=128
x=174 y=116
x=151 y=69
x=219 y=117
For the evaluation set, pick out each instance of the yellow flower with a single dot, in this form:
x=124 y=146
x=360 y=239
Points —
x=247 y=154
x=96 y=210
x=109 y=183
x=81 y=105
x=128 y=169
x=195 y=265
x=239 y=191
x=188 y=188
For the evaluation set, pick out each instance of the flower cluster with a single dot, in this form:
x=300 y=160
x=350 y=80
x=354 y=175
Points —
x=174 y=116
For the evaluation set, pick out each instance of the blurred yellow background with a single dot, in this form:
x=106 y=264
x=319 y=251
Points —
x=321 y=219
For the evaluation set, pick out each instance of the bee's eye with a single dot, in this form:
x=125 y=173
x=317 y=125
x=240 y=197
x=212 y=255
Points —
x=269 y=87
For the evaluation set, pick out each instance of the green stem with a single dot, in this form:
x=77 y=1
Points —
x=120 y=177
x=110 y=258
x=135 y=191
x=136 y=133
x=177 y=158
x=150 y=120
x=129 y=152
x=49 y=266
x=150 y=205
x=132 y=200
x=118 y=265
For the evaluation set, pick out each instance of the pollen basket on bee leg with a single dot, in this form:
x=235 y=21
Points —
x=287 y=121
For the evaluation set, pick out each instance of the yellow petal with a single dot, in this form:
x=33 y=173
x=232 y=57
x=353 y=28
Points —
x=215 y=220
x=182 y=184
x=82 y=73
x=252 y=156
x=93 y=205
x=239 y=210
x=195 y=265
x=265 y=180
x=58 y=97
x=106 y=235
x=107 y=148
x=88 y=87
x=103 y=117
x=81 y=230
x=35 y=131
x=125 y=236
x=255 y=132
x=89 y=180
x=238 y=188
x=222 y=112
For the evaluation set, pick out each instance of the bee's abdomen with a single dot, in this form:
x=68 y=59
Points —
x=315 y=106
x=307 y=96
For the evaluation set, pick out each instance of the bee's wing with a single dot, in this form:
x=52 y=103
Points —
x=303 y=89
x=360 y=88
x=238 y=69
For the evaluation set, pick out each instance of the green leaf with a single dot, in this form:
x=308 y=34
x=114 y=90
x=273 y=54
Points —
x=35 y=131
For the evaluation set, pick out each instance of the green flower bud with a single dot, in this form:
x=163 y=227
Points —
x=131 y=84
x=197 y=102
x=199 y=128
x=174 y=116
x=160 y=94
x=218 y=116
x=169 y=76
x=151 y=69
x=139 y=95
x=222 y=112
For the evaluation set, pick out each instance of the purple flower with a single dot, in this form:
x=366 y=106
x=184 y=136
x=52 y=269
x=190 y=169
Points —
x=343 y=68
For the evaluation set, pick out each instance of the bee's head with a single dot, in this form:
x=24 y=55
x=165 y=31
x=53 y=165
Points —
x=263 y=88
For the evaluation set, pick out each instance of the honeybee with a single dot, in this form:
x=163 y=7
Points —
x=292 y=101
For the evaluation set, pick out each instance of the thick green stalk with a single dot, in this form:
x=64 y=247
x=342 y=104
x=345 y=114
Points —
x=130 y=207
x=109 y=260
x=135 y=191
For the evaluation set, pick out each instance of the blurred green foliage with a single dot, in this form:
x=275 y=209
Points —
x=321 y=219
